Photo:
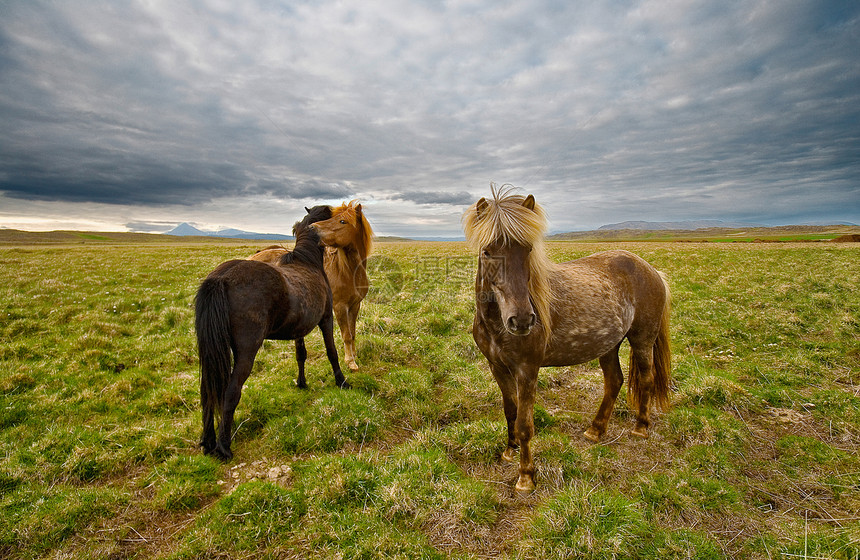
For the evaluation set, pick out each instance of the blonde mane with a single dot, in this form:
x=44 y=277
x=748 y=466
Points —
x=363 y=242
x=505 y=218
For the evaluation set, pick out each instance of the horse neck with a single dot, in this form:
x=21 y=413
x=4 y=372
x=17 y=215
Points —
x=346 y=259
x=354 y=253
x=361 y=243
x=308 y=249
x=540 y=287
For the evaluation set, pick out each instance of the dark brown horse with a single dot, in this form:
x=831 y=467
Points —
x=243 y=302
x=348 y=239
x=533 y=313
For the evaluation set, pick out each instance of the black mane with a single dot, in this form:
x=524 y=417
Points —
x=308 y=248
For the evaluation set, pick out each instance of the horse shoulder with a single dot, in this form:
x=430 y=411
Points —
x=304 y=281
x=306 y=298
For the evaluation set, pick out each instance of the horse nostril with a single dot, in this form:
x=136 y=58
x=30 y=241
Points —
x=521 y=325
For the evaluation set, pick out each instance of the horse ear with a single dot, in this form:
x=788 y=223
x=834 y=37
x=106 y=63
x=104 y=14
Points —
x=481 y=206
x=358 y=209
x=308 y=210
x=529 y=202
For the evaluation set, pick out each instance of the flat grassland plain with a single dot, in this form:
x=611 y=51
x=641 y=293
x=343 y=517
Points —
x=99 y=418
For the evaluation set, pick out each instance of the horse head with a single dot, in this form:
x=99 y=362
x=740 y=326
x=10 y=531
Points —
x=308 y=247
x=503 y=277
x=345 y=227
x=315 y=214
x=508 y=229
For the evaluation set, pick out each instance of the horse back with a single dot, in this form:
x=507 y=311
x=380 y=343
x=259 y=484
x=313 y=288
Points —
x=273 y=302
x=270 y=255
x=598 y=300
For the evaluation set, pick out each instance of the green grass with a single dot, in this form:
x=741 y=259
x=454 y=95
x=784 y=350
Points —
x=99 y=418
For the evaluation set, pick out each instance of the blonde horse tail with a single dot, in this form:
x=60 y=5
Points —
x=662 y=360
x=663 y=355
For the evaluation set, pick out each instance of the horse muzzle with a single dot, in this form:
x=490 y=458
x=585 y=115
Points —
x=520 y=325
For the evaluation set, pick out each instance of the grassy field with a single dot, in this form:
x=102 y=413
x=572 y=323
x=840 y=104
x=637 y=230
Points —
x=99 y=418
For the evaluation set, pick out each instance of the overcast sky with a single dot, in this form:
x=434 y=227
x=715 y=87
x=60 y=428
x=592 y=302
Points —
x=138 y=115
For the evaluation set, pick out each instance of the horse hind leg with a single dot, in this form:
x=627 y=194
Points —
x=641 y=386
x=244 y=362
x=613 y=378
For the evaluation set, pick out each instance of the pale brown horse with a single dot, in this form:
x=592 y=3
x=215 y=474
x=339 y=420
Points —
x=270 y=255
x=348 y=238
x=533 y=313
x=243 y=302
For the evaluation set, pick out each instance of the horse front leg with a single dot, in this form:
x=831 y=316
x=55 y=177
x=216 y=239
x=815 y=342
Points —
x=350 y=346
x=327 y=328
x=244 y=362
x=347 y=330
x=525 y=427
x=613 y=378
x=301 y=357
x=508 y=386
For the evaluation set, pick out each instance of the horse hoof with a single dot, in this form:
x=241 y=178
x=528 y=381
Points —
x=352 y=366
x=641 y=432
x=345 y=385
x=508 y=455
x=225 y=456
x=525 y=485
x=592 y=435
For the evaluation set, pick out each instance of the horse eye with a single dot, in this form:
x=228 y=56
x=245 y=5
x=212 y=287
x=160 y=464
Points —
x=485 y=254
x=343 y=221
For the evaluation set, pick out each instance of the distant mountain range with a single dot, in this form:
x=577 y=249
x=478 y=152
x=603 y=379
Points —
x=185 y=229
x=685 y=225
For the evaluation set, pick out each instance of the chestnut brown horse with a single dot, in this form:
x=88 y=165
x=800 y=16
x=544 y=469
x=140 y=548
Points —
x=532 y=312
x=348 y=239
x=243 y=302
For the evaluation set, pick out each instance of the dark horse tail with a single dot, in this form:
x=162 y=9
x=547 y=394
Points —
x=662 y=362
x=212 y=322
